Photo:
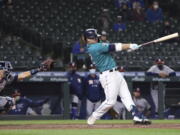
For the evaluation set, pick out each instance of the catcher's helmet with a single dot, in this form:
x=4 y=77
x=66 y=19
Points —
x=6 y=103
x=90 y=33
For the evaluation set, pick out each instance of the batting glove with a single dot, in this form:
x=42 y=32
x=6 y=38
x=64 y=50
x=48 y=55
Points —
x=134 y=47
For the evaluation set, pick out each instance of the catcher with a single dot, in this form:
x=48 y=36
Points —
x=7 y=77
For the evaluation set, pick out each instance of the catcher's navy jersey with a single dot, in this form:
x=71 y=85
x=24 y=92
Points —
x=23 y=104
x=101 y=56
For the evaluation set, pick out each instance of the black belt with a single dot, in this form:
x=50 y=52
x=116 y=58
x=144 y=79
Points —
x=111 y=70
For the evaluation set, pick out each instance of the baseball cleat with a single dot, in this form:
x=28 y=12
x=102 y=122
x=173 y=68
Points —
x=91 y=120
x=146 y=122
x=141 y=121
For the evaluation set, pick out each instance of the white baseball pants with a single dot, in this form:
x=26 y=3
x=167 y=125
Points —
x=114 y=84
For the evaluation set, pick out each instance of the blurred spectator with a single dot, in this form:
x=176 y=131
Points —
x=137 y=12
x=129 y=3
x=132 y=3
x=166 y=30
x=78 y=48
x=125 y=12
x=23 y=103
x=103 y=21
x=159 y=70
x=103 y=37
x=79 y=55
x=142 y=104
x=119 y=25
x=1 y=3
x=76 y=89
x=6 y=3
x=119 y=3
x=93 y=90
x=9 y=3
x=154 y=13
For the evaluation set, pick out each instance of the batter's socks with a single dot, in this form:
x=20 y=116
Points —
x=135 y=112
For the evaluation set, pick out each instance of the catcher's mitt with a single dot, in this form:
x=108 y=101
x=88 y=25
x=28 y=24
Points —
x=46 y=65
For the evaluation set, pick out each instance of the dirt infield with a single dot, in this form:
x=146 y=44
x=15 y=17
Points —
x=83 y=126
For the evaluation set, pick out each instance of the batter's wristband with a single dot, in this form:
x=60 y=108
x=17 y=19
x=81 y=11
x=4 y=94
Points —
x=34 y=71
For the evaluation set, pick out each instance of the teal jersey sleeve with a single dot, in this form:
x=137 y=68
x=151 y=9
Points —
x=103 y=47
x=101 y=56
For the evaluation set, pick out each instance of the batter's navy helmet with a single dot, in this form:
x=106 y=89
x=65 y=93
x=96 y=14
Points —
x=90 y=33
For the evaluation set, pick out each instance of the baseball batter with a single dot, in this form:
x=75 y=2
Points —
x=111 y=80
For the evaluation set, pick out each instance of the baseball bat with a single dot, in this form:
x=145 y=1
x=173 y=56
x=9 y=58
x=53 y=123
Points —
x=161 y=39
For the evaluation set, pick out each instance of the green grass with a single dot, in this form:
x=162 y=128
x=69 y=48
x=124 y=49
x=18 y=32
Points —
x=21 y=122
x=93 y=132
x=129 y=131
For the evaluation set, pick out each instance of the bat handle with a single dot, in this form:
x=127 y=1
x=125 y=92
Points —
x=147 y=43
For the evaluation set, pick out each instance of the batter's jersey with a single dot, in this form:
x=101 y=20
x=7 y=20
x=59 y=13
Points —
x=141 y=104
x=155 y=69
x=93 y=88
x=101 y=56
